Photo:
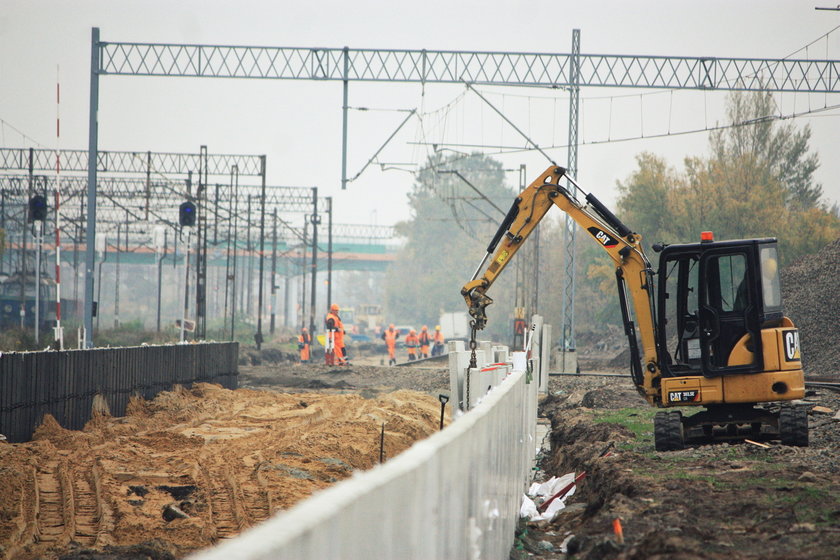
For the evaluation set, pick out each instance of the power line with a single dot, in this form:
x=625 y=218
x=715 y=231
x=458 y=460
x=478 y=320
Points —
x=513 y=150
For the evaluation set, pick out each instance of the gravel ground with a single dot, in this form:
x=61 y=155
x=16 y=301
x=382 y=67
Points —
x=811 y=295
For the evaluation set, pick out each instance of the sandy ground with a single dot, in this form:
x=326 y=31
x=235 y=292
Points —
x=194 y=466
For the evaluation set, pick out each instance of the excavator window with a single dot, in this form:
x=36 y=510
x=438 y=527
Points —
x=729 y=310
x=679 y=314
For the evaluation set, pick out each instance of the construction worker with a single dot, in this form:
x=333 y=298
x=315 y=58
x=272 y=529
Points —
x=437 y=342
x=304 y=340
x=424 y=339
x=412 y=343
x=390 y=336
x=336 y=353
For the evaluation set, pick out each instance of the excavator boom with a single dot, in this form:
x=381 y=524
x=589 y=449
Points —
x=633 y=270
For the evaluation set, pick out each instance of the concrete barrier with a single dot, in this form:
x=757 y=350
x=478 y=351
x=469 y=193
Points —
x=454 y=495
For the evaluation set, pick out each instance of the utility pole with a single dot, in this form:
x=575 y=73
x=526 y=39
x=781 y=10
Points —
x=201 y=249
x=329 y=250
x=273 y=303
x=316 y=219
x=161 y=256
x=258 y=336
x=117 y=281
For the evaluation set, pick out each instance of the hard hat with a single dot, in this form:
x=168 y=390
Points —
x=425 y=328
x=391 y=326
x=334 y=307
x=303 y=329
x=412 y=331
x=437 y=327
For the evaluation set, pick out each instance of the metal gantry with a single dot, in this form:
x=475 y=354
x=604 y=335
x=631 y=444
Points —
x=550 y=70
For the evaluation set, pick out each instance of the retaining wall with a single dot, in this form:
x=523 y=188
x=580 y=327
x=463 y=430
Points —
x=65 y=384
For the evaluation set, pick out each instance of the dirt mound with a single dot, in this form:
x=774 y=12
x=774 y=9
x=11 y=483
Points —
x=721 y=502
x=193 y=466
x=811 y=295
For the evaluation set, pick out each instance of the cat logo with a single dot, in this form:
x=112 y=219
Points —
x=603 y=237
x=791 y=343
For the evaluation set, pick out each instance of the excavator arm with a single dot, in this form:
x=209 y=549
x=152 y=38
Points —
x=633 y=270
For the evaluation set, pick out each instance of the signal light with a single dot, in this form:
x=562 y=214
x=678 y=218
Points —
x=706 y=237
x=186 y=214
x=37 y=208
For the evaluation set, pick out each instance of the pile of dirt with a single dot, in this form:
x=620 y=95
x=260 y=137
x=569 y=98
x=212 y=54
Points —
x=194 y=466
x=724 y=501
x=811 y=296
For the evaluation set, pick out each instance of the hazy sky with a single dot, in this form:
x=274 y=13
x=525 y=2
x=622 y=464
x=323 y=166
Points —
x=297 y=124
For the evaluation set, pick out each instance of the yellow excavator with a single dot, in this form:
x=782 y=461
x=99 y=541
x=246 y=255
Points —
x=706 y=329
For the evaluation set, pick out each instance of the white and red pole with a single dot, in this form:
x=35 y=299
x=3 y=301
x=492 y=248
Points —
x=59 y=332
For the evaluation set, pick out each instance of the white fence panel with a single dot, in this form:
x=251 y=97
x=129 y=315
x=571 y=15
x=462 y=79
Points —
x=453 y=495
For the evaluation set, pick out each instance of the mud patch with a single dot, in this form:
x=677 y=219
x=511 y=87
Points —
x=725 y=501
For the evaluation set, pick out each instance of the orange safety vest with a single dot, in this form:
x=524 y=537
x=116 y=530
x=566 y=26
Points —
x=390 y=337
x=424 y=342
x=438 y=337
x=304 y=340
x=411 y=342
x=337 y=327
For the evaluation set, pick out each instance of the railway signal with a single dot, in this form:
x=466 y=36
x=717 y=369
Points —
x=37 y=208
x=186 y=214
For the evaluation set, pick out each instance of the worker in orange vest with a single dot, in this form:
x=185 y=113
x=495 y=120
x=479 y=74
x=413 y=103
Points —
x=423 y=338
x=412 y=343
x=390 y=336
x=437 y=342
x=304 y=340
x=336 y=353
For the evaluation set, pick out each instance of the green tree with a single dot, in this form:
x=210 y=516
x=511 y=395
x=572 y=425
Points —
x=757 y=182
x=447 y=236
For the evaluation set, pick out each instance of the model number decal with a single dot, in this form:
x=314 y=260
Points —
x=791 y=342
x=683 y=396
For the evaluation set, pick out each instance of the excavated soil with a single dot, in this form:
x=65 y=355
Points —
x=194 y=466
x=724 y=501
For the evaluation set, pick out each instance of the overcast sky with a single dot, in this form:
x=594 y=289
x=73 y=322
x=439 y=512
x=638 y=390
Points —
x=297 y=124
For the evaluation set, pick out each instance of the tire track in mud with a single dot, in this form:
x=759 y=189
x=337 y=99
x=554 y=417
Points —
x=225 y=507
x=87 y=510
x=52 y=510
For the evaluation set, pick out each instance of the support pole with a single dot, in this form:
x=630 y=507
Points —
x=160 y=276
x=186 y=284
x=273 y=303
x=258 y=336
x=315 y=219
x=93 y=149
x=344 y=120
x=329 y=250
x=567 y=336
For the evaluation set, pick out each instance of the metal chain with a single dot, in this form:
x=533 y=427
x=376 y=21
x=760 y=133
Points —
x=472 y=344
x=471 y=366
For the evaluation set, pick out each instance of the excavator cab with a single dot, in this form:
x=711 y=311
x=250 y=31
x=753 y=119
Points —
x=714 y=300
x=725 y=344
